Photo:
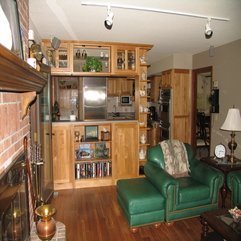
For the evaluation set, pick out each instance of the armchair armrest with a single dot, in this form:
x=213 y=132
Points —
x=234 y=177
x=209 y=176
x=234 y=184
x=159 y=178
x=201 y=170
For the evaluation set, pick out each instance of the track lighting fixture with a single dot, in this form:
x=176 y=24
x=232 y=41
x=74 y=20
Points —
x=109 y=20
x=208 y=30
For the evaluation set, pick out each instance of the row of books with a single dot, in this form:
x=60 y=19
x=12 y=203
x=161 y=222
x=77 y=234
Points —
x=93 y=169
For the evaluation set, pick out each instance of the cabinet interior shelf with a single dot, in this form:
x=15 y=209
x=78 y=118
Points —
x=145 y=128
x=91 y=142
x=145 y=113
x=93 y=159
x=146 y=144
x=87 y=179
x=145 y=80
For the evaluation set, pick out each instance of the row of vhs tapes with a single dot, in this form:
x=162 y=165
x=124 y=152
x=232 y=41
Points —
x=93 y=169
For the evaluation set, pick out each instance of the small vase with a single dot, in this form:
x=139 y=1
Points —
x=143 y=139
x=46 y=226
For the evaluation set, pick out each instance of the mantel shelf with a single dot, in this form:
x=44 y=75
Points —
x=18 y=76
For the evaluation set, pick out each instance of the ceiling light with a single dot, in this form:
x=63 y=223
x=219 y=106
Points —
x=109 y=20
x=208 y=30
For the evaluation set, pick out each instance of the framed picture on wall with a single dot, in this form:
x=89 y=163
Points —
x=10 y=34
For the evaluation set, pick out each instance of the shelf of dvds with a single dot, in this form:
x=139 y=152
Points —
x=92 y=147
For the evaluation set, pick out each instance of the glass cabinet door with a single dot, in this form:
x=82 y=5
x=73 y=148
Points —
x=131 y=57
x=124 y=60
x=63 y=58
x=59 y=58
x=120 y=61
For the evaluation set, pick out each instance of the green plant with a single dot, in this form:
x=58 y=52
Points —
x=92 y=64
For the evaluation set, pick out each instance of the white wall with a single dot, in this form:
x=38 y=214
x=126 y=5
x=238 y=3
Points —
x=226 y=64
x=175 y=61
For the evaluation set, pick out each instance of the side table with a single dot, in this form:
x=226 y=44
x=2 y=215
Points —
x=225 y=167
x=221 y=230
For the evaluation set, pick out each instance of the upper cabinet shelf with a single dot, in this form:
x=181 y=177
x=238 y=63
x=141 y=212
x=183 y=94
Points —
x=84 y=58
x=18 y=76
x=95 y=59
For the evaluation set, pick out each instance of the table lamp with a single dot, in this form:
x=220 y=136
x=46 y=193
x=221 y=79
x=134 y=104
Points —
x=232 y=123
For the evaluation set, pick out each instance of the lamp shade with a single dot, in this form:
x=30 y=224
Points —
x=232 y=121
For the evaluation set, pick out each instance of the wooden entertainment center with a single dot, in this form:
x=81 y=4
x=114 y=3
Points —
x=125 y=67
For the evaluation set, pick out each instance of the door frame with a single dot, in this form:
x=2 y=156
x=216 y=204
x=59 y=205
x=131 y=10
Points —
x=195 y=73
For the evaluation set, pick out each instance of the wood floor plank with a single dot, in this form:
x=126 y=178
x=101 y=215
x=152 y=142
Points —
x=93 y=214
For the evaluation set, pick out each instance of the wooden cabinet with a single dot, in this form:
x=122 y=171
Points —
x=179 y=81
x=125 y=150
x=119 y=59
x=181 y=105
x=62 y=157
x=117 y=86
x=79 y=162
x=166 y=79
x=155 y=88
x=59 y=59
x=124 y=60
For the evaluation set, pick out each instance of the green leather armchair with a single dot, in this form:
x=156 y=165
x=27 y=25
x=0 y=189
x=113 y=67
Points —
x=185 y=196
x=234 y=184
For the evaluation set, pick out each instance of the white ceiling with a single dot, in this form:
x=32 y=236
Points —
x=69 y=20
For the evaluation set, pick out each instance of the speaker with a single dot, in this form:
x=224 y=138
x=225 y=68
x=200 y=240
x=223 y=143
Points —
x=214 y=100
x=211 y=51
x=55 y=42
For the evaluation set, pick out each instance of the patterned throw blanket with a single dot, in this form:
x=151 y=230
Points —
x=175 y=158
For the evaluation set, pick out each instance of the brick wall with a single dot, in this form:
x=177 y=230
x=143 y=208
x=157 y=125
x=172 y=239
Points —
x=12 y=127
x=23 y=8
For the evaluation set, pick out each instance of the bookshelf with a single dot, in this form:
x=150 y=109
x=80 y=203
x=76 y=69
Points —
x=92 y=152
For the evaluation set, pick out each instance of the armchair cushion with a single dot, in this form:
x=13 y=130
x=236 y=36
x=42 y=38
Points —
x=191 y=191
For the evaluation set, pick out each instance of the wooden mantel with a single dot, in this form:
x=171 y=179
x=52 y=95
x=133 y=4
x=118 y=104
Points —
x=18 y=76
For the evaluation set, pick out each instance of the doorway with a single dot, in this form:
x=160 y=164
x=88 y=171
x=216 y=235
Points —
x=201 y=136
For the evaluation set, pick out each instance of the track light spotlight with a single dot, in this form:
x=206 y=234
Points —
x=109 y=20
x=208 y=30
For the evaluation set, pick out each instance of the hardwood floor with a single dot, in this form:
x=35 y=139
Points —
x=93 y=214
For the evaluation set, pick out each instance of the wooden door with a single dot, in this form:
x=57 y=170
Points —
x=62 y=157
x=125 y=150
x=181 y=105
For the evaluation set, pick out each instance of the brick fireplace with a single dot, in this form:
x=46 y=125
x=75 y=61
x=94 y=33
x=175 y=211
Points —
x=19 y=84
x=14 y=205
x=12 y=127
